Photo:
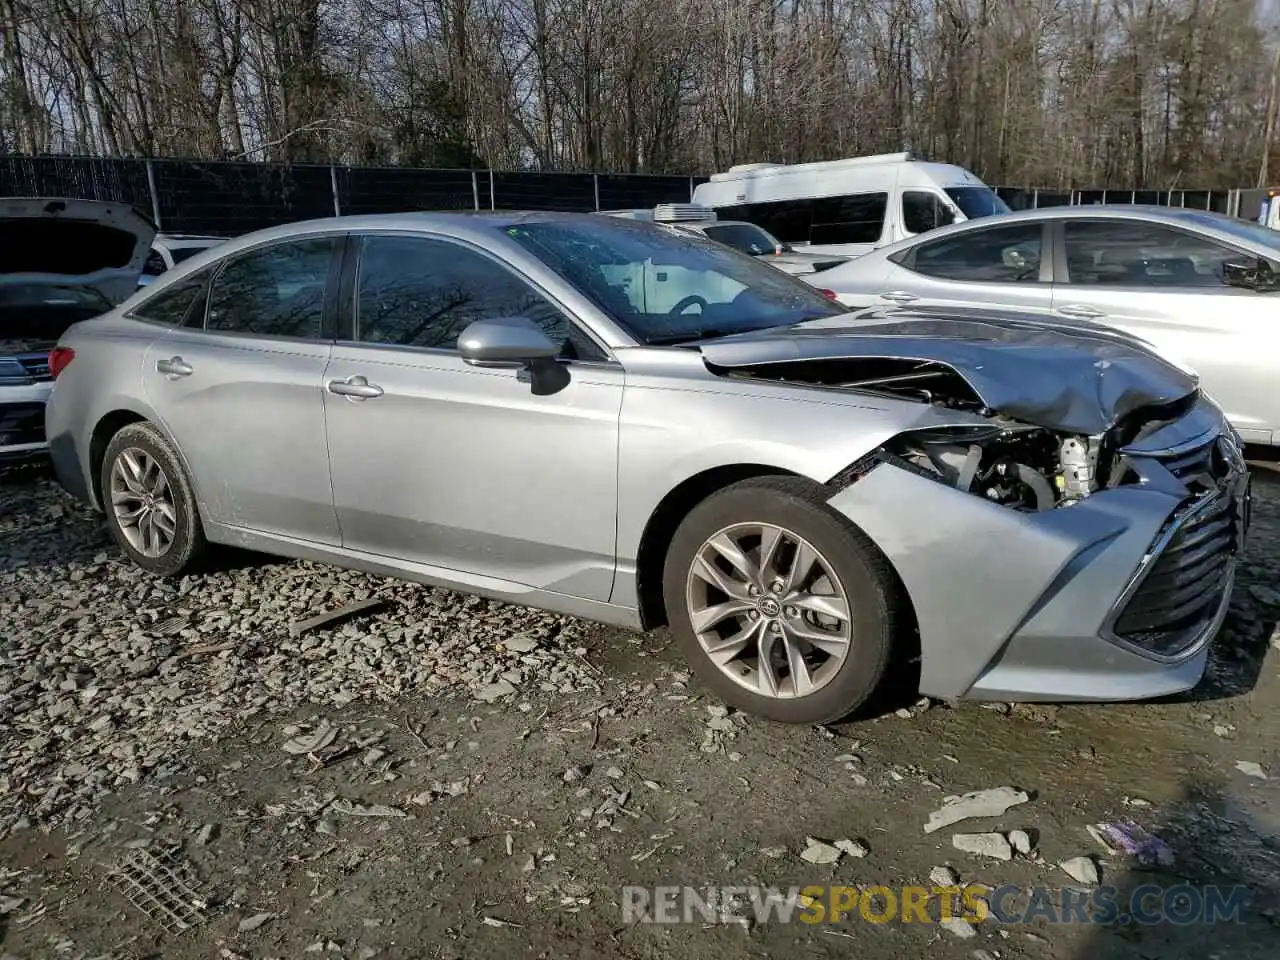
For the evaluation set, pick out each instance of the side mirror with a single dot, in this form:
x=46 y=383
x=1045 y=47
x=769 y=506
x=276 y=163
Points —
x=505 y=342
x=515 y=342
x=1256 y=275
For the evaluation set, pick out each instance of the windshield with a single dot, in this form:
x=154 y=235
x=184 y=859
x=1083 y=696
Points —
x=666 y=287
x=975 y=202
x=746 y=237
x=1244 y=229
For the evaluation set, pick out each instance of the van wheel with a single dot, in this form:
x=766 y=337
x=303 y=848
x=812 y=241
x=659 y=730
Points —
x=150 y=505
x=780 y=605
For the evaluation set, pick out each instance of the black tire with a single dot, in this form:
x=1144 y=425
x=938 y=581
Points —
x=188 y=544
x=874 y=597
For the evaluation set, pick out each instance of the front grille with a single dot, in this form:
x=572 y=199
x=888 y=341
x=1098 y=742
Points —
x=1182 y=588
x=21 y=423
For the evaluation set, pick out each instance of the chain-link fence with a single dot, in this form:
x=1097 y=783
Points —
x=228 y=198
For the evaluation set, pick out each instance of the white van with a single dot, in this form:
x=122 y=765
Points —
x=849 y=206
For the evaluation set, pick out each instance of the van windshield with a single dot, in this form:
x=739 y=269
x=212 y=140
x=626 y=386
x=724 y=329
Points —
x=666 y=286
x=975 y=202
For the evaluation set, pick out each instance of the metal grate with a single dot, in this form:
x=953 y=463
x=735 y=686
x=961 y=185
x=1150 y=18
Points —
x=1183 y=587
x=155 y=887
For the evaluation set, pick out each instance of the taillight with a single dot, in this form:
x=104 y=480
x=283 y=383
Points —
x=830 y=294
x=59 y=358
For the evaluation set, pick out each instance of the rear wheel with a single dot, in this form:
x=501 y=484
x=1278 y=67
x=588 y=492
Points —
x=149 y=501
x=780 y=605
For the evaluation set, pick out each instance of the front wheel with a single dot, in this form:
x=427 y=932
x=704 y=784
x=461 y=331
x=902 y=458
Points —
x=781 y=606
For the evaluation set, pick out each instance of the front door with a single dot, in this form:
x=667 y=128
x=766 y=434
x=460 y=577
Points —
x=241 y=390
x=1165 y=285
x=460 y=467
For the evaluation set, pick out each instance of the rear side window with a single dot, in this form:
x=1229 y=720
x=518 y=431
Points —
x=858 y=218
x=278 y=291
x=178 y=305
x=996 y=255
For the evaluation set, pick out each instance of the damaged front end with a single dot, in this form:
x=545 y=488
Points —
x=1027 y=466
x=1079 y=539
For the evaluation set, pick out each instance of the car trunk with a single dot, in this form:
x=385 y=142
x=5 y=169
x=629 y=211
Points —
x=63 y=261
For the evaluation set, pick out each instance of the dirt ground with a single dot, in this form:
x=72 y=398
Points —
x=441 y=826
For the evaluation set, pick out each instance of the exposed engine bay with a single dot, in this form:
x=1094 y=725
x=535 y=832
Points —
x=1007 y=461
x=1012 y=464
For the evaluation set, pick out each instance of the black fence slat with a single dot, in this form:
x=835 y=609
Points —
x=544 y=191
x=625 y=191
x=227 y=198
x=365 y=190
x=85 y=178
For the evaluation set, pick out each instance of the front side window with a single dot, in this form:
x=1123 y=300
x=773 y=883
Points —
x=665 y=287
x=1128 y=253
x=276 y=291
x=421 y=292
x=923 y=210
x=179 y=304
x=996 y=255
x=858 y=218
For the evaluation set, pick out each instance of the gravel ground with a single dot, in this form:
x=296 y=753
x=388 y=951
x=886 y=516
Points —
x=446 y=776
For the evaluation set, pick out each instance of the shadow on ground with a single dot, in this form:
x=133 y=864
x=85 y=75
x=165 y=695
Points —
x=1220 y=896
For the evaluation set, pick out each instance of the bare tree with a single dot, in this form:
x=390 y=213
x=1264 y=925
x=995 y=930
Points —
x=1067 y=93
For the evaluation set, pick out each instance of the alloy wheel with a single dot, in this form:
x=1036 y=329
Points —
x=142 y=502
x=768 y=610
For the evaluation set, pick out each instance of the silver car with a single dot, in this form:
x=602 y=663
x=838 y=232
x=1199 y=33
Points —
x=600 y=417
x=1203 y=288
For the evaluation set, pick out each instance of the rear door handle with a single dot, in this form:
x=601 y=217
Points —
x=899 y=296
x=1081 y=312
x=357 y=388
x=174 y=367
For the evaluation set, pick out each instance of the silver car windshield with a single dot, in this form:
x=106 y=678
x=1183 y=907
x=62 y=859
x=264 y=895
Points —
x=665 y=287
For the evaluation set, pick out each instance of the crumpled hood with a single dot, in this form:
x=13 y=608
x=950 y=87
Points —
x=1074 y=377
x=67 y=243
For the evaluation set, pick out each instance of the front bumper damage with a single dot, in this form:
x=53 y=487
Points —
x=1115 y=597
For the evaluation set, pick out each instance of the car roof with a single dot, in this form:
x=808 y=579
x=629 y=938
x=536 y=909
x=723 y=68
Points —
x=1202 y=220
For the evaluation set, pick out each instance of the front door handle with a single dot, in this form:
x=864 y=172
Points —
x=357 y=388
x=899 y=296
x=1081 y=312
x=174 y=367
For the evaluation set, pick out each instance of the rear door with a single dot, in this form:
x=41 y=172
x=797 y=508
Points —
x=999 y=266
x=239 y=388
x=1165 y=285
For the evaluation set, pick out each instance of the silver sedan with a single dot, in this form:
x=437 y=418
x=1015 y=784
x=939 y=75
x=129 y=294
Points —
x=1203 y=288
x=603 y=418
